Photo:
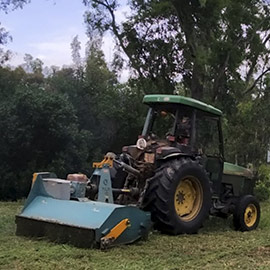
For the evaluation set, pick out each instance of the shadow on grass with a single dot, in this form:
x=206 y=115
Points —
x=217 y=224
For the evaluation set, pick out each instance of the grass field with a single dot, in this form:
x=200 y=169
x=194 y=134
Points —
x=217 y=246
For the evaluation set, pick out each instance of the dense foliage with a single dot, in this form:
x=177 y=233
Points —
x=213 y=50
x=63 y=122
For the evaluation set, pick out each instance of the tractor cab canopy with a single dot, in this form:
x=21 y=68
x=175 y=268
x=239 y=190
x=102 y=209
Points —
x=151 y=100
x=186 y=120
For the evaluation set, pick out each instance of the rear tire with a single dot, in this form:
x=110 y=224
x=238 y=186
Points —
x=247 y=214
x=179 y=197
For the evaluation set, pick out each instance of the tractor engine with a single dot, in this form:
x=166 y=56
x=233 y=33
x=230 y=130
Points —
x=131 y=168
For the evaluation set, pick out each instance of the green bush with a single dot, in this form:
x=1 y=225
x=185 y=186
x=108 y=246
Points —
x=262 y=188
x=39 y=132
x=261 y=191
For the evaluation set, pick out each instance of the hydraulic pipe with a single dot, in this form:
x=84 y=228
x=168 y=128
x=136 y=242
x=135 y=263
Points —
x=127 y=168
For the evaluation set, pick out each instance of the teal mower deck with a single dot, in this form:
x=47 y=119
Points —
x=53 y=210
x=174 y=177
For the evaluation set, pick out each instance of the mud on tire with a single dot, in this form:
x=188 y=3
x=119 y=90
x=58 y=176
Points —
x=178 y=197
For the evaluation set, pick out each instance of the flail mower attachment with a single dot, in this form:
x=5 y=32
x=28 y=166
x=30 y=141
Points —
x=54 y=210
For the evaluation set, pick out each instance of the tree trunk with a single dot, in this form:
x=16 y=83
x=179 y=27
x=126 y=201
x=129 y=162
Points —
x=197 y=82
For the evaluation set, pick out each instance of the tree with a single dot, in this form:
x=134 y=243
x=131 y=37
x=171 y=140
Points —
x=76 y=57
x=7 y=6
x=10 y=80
x=249 y=129
x=10 y=5
x=32 y=65
x=94 y=96
x=75 y=52
x=34 y=71
x=39 y=132
x=206 y=45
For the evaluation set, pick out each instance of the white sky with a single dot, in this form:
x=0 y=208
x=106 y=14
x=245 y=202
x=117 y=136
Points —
x=45 y=29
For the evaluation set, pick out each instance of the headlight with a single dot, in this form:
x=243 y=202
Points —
x=141 y=143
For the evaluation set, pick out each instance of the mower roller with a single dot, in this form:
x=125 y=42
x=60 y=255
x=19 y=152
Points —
x=175 y=176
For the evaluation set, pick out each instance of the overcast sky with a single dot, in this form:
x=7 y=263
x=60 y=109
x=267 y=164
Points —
x=45 y=29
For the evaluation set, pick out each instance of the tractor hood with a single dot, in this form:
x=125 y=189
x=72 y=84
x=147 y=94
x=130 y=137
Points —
x=232 y=169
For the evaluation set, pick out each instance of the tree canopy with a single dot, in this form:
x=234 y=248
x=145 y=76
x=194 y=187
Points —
x=207 y=46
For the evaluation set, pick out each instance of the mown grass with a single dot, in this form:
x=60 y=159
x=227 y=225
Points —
x=217 y=246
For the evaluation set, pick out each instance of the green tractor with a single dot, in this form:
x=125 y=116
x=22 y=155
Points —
x=175 y=176
x=177 y=169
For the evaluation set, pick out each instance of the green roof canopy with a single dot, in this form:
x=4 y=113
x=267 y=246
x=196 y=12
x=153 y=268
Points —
x=149 y=99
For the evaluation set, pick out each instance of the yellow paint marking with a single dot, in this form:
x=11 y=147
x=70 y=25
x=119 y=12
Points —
x=117 y=230
x=106 y=160
x=34 y=178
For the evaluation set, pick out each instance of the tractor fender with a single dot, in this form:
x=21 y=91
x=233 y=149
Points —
x=173 y=155
x=167 y=152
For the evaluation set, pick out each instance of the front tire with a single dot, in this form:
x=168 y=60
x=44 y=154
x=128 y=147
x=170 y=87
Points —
x=247 y=214
x=179 y=197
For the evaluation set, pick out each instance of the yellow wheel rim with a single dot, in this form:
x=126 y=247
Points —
x=188 y=198
x=250 y=215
